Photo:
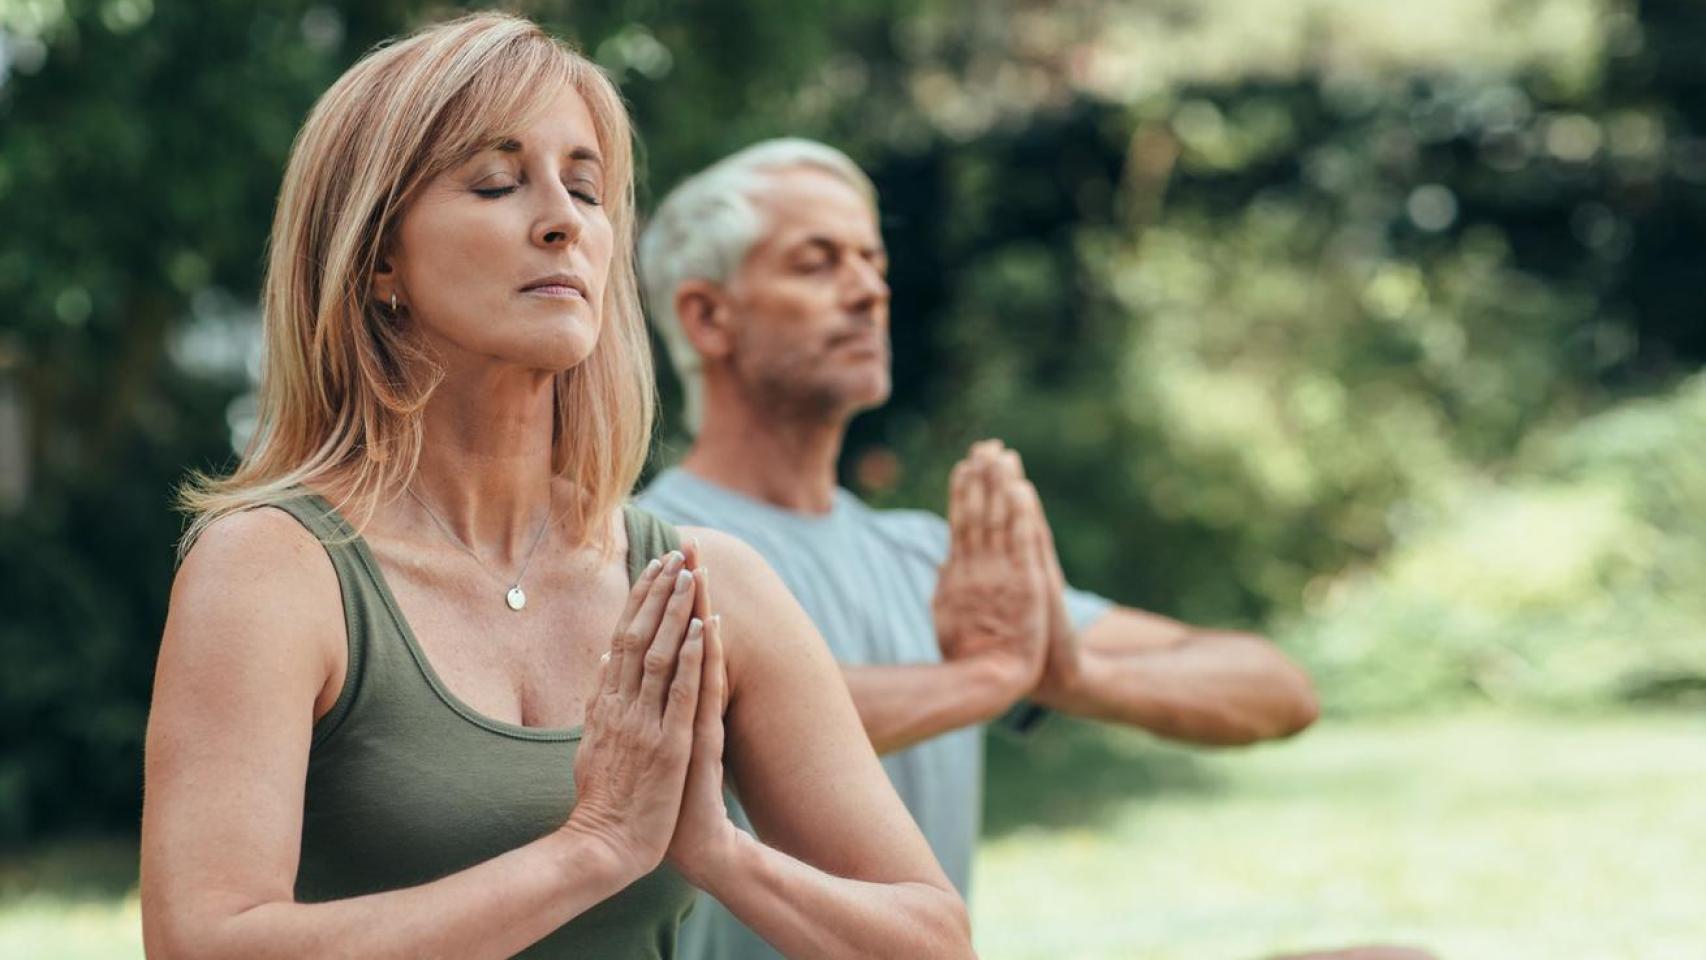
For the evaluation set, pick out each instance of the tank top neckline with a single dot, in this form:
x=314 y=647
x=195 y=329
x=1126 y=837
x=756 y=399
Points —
x=370 y=568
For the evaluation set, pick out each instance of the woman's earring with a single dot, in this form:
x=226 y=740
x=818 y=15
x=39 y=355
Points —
x=393 y=303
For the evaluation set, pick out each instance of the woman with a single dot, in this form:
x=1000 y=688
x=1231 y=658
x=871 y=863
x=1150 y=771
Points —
x=389 y=717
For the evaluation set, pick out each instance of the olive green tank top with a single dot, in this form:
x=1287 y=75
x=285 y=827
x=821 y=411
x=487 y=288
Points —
x=406 y=783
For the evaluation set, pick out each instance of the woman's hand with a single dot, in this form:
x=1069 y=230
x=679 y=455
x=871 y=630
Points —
x=638 y=737
x=836 y=866
x=705 y=838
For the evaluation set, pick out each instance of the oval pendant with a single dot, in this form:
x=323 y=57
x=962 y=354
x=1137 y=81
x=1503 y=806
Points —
x=515 y=598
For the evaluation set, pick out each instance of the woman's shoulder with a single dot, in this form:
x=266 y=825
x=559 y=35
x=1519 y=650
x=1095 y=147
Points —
x=265 y=538
x=744 y=588
x=254 y=636
x=722 y=549
x=259 y=572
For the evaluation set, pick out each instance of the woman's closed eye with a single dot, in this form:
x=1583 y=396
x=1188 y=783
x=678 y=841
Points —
x=585 y=193
x=495 y=184
x=580 y=192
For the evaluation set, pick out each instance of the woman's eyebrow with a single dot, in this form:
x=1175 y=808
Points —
x=512 y=145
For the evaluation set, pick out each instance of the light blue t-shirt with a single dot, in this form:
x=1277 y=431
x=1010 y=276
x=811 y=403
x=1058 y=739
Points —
x=865 y=577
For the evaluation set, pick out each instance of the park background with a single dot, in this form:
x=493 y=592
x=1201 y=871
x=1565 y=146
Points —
x=1375 y=326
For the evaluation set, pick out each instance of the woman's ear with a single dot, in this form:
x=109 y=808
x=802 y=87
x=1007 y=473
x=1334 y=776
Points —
x=702 y=308
x=384 y=285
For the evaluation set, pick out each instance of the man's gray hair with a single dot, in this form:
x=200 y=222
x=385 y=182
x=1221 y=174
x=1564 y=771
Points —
x=706 y=226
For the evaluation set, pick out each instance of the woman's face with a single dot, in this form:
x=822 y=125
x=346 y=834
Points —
x=506 y=257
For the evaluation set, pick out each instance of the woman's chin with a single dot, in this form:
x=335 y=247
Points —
x=563 y=345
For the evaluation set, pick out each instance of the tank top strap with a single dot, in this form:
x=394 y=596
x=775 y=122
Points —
x=320 y=518
x=649 y=536
x=366 y=615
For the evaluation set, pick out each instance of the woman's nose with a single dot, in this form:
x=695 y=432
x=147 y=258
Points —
x=560 y=223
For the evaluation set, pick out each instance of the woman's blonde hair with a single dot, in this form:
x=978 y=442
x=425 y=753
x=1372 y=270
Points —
x=343 y=387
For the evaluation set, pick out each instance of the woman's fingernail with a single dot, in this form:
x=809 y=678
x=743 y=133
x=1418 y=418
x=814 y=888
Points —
x=682 y=579
x=694 y=628
x=654 y=566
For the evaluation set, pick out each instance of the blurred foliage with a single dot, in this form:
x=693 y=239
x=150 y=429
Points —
x=1369 y=322
x=1573 y=581
x=1277 y=348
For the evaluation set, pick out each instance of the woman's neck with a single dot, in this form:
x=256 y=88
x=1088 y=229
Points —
x=485 y=464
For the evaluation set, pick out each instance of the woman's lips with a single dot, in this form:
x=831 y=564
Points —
x=554 y=291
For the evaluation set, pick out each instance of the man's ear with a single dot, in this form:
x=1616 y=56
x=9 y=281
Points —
x=703 y=310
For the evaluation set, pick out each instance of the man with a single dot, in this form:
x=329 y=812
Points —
x=765 y=278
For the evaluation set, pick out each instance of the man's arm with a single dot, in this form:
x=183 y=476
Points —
x=903 y=704
x=1209 y=687
x=990 y=610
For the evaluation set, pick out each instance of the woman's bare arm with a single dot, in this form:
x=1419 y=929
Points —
x=252 y=648
x=842 y=870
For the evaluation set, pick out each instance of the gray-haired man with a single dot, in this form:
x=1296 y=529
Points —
x=765 y=278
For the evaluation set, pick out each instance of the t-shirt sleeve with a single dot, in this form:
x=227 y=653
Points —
x=1084 y=607
x=921 y=530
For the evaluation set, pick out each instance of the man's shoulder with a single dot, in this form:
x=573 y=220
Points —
x=908 y=534
x=685 y=500
x=681 y=498
x=675 y=495
x=909 y=524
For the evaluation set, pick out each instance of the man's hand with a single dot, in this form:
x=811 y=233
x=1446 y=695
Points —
x=992 y=594
x=1062 y=665
x=1176 y=681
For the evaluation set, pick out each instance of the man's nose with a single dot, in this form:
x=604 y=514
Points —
x=869 y=288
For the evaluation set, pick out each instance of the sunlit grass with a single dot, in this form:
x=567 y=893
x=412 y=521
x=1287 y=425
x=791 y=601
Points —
x=1478 y=836
x=71 y=900
x=50 y=930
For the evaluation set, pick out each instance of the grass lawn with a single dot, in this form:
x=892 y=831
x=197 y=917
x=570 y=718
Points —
x=71 y=900
x=1480 y=836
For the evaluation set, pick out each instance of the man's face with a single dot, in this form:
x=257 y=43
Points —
x=810 y=302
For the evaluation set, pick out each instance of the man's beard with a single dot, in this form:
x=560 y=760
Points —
x=797 y=392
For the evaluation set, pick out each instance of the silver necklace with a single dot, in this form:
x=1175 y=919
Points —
x=515 y=597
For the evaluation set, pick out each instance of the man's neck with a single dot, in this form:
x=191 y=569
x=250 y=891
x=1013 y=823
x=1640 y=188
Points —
x=785 y=463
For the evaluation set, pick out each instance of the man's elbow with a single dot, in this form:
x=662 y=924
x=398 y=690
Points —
x=1286 y=706
x=1296 y=706
x=1305 y=709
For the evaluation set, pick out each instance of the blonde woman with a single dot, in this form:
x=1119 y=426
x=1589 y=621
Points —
x=390 y=718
